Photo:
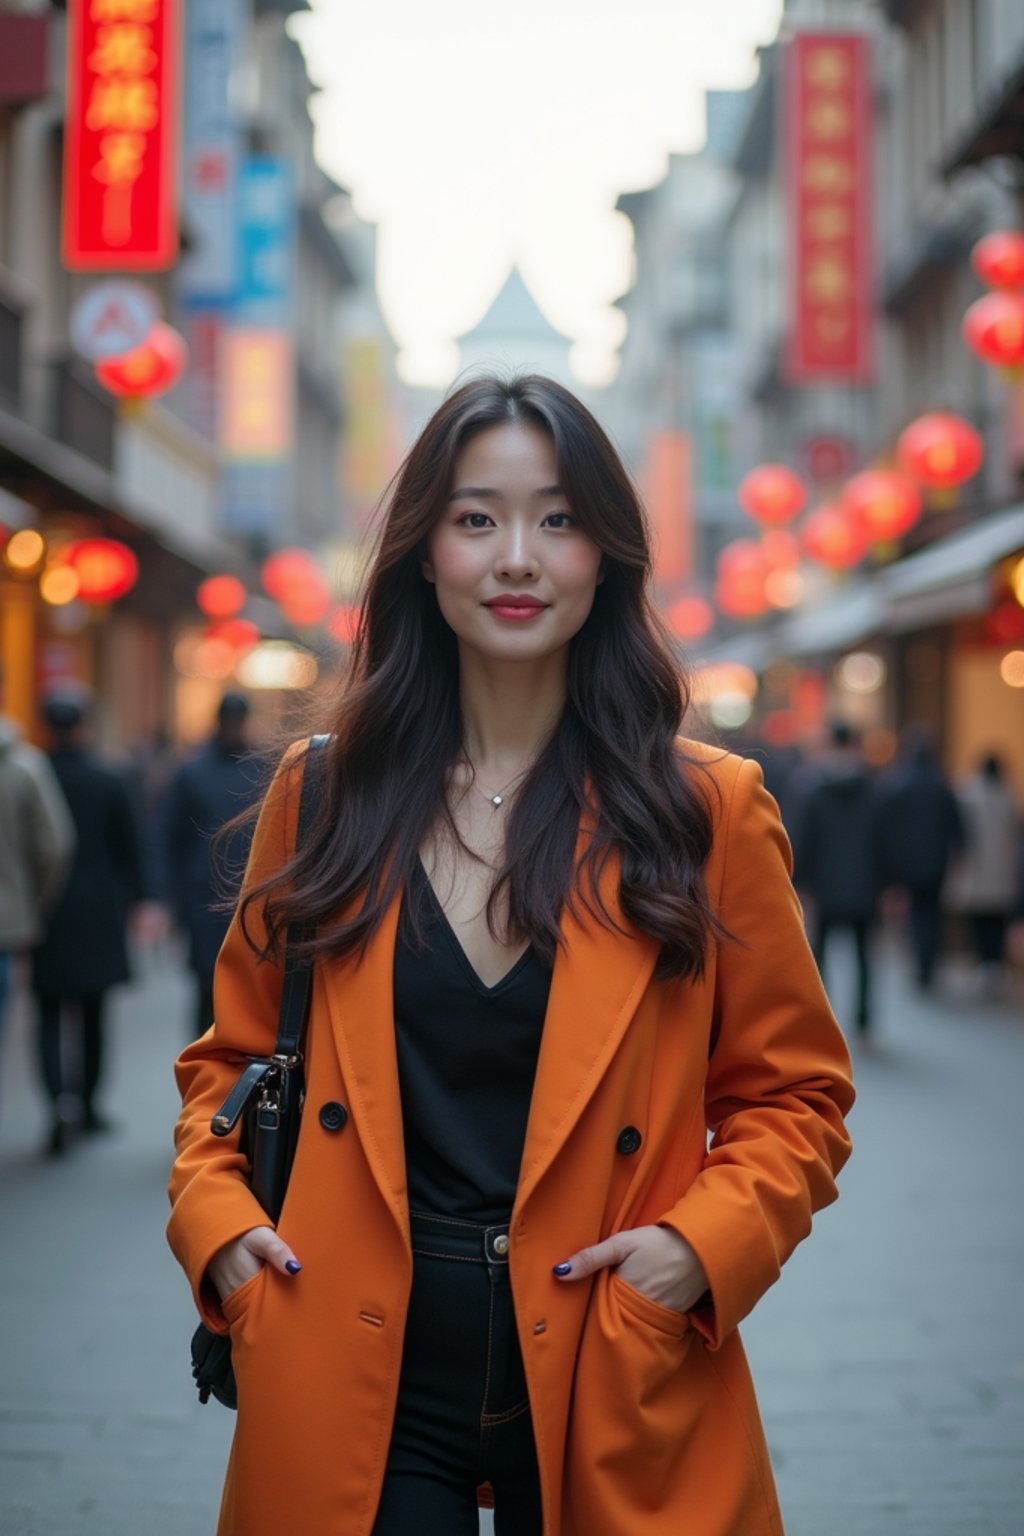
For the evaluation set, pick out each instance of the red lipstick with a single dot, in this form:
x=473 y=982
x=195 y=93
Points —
x=516 y=606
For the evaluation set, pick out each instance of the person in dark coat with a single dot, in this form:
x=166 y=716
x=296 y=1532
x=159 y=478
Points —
x=201 y=870
x=83 y=951
x=922 y=829
x=837 y=857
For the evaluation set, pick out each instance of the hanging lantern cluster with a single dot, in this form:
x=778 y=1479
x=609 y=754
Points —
x=993 y=326
x=95 y=571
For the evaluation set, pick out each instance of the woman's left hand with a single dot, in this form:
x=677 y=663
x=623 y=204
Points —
x=654 y=1260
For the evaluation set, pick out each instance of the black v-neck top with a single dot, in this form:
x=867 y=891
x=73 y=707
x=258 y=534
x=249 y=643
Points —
x=467 y=1058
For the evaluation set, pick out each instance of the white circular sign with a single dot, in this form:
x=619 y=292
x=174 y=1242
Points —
x=111 y=318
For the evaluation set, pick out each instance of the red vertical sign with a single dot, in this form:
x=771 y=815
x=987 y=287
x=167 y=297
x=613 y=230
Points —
x=669 y=504
x=120 y=171
x=827 y=116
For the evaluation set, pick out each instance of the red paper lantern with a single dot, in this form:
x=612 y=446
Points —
x=833 y=537
x=291 y=577
x=941 y=450
x=286 y=570
x=780 y=550
x=308 y=606
x=998 y=259
x=1005 y=624
x=150 y=369
x=884 y=502
x=690 y=617
x=241 y=634
x=993 y=328
x=106 y=568
x=739 y=590
x=220 y=597
x=772 y=494
x=344 y=623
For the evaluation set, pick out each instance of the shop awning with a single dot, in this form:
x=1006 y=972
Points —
x=30 y=458
x=852 y=614
x=953 y=580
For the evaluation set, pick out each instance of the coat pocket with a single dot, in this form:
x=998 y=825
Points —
x=632 y=1407
x=236 y=1303
x=648 y=1311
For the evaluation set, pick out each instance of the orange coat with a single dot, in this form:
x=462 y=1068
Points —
x=645 y=1419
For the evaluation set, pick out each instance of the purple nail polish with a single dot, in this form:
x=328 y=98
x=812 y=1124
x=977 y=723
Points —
x=292 y=1266
x=563 y=1269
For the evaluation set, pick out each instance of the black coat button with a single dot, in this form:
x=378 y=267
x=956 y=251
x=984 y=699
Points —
x=629 y=1140
x=333 y=1116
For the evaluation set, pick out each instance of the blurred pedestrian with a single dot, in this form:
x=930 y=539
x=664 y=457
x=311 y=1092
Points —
x=202 y=870
x=984 y=881
x=83 y=952
x=921 y=831
x=837 y=855
x=36 y=841
x=573 y=1087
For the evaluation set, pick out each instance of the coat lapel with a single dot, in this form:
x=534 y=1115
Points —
x=598 y=980
x=360 y=998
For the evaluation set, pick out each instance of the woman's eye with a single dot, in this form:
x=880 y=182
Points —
x=567 y=519
x=464 y=520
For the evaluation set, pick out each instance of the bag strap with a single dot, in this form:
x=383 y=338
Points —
x=291 y=1024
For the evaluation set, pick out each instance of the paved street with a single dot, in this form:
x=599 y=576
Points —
x=890 y=1360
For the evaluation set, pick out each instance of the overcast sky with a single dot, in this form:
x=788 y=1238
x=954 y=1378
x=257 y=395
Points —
x=480 y=134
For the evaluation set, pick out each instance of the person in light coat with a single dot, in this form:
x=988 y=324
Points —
x=984 y=882
x=82 y=950
x=573 y=1087
x=36 y=843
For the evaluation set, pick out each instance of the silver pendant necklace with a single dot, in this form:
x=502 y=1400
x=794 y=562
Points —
x=498 y=798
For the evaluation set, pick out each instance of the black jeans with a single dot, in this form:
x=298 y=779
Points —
x=860 y=927
x=926 y=929
x=463 y=1415
x=988 y=930
x=83 y=1079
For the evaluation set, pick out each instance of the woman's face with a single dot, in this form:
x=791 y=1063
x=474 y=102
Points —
x=508 y=533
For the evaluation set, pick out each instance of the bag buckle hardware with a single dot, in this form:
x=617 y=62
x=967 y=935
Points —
x=286 y=1063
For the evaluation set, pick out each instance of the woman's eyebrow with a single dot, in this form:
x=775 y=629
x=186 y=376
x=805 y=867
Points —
x=486 y=493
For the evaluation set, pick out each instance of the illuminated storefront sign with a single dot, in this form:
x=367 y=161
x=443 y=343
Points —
x=257 y=397
x=256 y=423
x=828 y=144
x=120 y=166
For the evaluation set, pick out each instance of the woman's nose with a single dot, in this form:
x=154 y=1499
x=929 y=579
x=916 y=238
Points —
x=516 y=557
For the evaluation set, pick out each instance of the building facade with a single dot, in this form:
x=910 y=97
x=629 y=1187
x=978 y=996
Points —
x=935 y=611
x=246 y=453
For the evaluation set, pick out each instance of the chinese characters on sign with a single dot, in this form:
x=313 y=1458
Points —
x=827 y=116
x=119 y=163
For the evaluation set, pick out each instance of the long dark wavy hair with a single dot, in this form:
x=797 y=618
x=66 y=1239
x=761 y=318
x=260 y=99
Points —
x=397 y=729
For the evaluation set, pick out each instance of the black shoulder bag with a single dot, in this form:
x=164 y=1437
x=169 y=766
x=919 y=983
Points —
x=268 y=1099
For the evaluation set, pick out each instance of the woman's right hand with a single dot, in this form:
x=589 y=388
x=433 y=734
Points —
x=244 y=1257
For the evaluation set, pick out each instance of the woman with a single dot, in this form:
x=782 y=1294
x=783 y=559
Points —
x=557 y=943
x=983 y=882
